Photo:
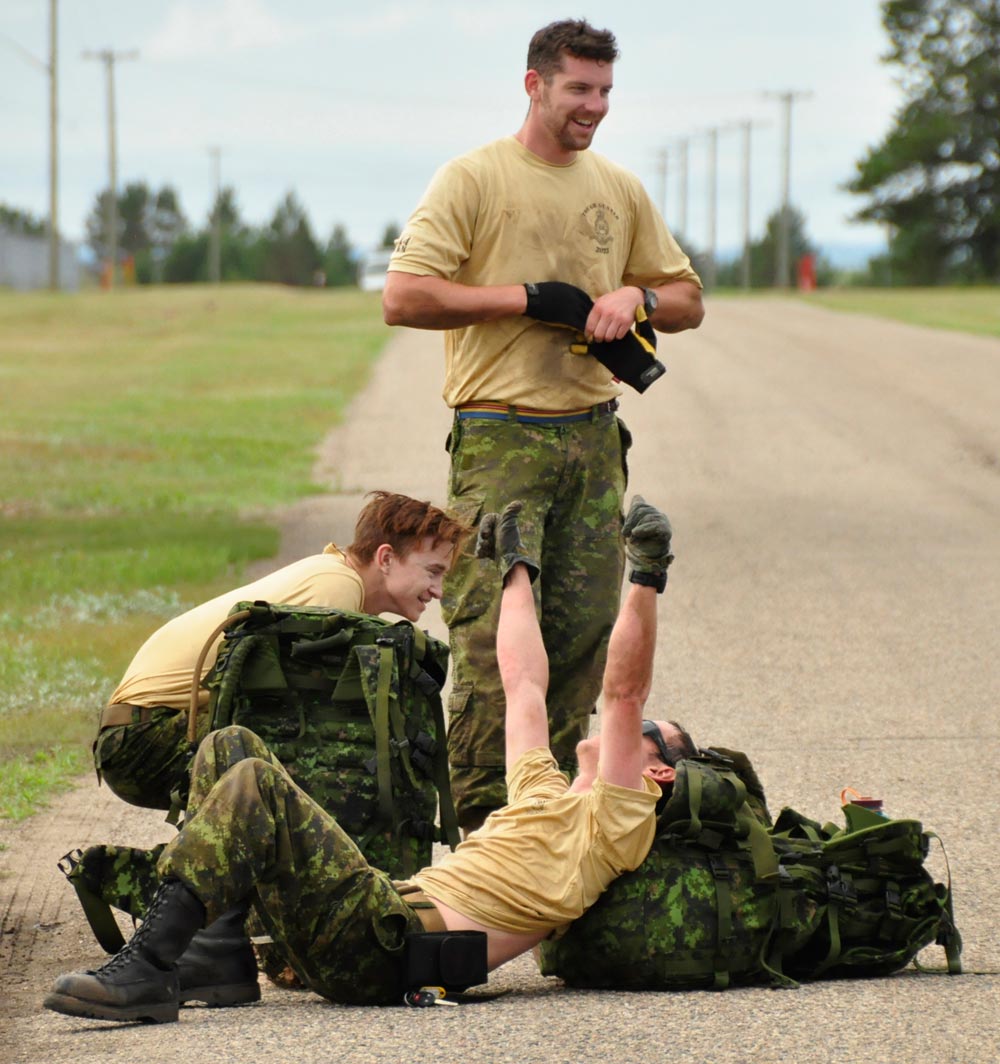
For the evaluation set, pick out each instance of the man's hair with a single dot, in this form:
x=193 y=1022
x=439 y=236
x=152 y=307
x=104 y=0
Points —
x=574 y=36
x=404 y=524
x=681 y=745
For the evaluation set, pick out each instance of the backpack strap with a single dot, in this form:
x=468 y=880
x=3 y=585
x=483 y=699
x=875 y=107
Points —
x=722 y=877
x=440 y=775
x=442 y=780
x=948 y=934
x=386 y=807
x=192 y=724
x=96 y=909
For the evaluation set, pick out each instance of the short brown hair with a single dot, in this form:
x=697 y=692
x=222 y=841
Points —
x=403 y=523
x=575 y=36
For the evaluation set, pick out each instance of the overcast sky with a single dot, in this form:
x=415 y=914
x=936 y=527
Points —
x=354 y=105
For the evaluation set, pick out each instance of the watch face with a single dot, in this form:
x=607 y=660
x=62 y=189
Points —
x=651 y=300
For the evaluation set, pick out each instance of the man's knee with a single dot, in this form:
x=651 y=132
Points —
x=232 y=744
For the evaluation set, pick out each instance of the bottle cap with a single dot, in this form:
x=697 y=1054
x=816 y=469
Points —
x=849 y=794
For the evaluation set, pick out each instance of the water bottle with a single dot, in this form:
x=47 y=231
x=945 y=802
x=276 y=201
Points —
x=849 y=794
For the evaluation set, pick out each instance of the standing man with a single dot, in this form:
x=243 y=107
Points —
x=512 y=244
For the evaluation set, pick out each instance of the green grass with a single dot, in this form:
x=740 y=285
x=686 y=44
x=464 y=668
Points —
x=144 y=436
x=973 y=310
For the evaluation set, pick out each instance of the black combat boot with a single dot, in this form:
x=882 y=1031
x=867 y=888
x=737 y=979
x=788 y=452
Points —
x=140 y=981
x=219 y=967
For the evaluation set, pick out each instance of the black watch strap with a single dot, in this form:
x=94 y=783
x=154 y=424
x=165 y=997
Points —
x=657 y=580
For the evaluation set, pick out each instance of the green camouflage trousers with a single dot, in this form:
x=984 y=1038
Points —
x=143 y=762
x=251 y=832
x=571 y=479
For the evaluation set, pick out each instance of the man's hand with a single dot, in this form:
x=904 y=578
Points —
x=500 y=538
x=631 y=359
x=558 y=303
x=647 y=535
x=614 y=314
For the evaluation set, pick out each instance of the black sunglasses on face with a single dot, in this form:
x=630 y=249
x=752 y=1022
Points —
x=652 y=729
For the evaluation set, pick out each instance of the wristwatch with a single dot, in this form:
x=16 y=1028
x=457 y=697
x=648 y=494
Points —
x=657 y=580
x=650 y=301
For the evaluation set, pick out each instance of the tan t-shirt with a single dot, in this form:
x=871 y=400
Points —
x=542 y=860
x=161 y=671
x=502 y=215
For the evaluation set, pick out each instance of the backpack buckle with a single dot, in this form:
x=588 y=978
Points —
x=894 y=901
x=839 y=888
x=720 y=870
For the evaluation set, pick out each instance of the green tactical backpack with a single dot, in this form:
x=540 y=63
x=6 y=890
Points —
x=725 y=899
x=350 y=704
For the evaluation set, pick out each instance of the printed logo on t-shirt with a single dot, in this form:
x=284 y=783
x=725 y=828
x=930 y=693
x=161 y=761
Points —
x=598 y=218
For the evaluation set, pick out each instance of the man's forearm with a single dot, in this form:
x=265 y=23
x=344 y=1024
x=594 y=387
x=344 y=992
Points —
x=679 y=307
x=524 y=667
x=434 y=303
x=628 y=673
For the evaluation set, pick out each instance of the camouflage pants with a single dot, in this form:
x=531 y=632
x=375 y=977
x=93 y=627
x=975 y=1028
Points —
x=251 y=832
x=571 y=479
x=143 y=762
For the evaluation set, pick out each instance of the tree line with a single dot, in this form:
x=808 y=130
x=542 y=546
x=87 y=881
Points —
x=154 y=233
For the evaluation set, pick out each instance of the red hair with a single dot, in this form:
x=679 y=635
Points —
x=404 y=524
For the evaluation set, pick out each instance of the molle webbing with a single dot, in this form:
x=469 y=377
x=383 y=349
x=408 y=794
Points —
x=350 y=704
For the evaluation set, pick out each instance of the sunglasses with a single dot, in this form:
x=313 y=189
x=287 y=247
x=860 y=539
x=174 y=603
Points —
x=652 y=729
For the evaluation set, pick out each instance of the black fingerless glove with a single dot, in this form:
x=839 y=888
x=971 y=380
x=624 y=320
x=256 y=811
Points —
x=558 y=303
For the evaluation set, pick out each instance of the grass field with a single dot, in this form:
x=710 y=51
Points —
x=975 y=310
x=144 y=436
x=971 y=310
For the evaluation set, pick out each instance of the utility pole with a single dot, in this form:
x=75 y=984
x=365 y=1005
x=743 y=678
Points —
x=746 y=126
x=109 y=58
x=783 y=270
x=662 y=160
x=53 y=148
x=682 y=187
x=51 y=69
x=713 y=152
x=215 y=245
x=745 y=265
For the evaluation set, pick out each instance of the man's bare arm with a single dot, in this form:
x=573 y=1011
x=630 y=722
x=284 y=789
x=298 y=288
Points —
x=434 y=303
x=628 y=677
x=524 y=667
x=628 y=674
x=679 y=307
x=521 y=657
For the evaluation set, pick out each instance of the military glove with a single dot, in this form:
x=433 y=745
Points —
x=558 y=303
x=631 y=359
x=647 y=535
x=499 y=538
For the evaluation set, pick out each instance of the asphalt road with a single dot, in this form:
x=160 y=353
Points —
x=834 y=484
